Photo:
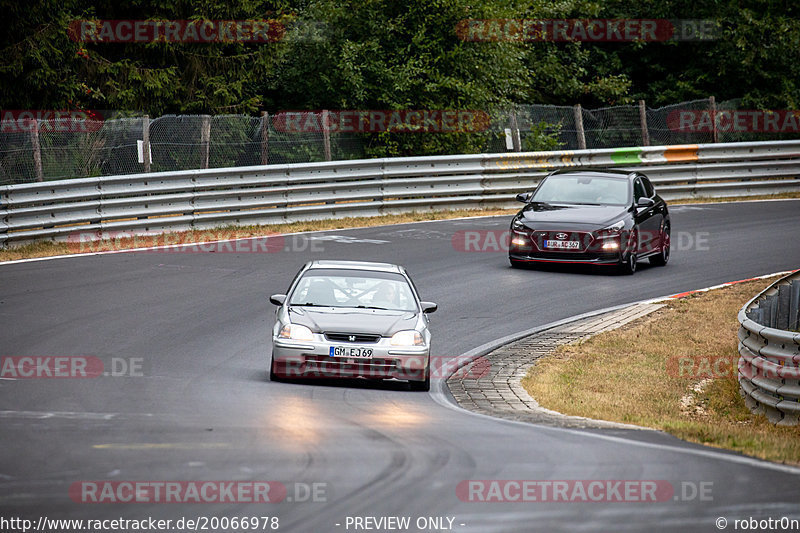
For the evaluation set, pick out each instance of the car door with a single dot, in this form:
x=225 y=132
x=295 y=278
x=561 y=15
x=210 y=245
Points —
x=659 y=211
x=647 y=219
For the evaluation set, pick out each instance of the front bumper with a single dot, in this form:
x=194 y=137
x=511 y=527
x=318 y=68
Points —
x=310 y=359
x=607 y=259
x=527 y=246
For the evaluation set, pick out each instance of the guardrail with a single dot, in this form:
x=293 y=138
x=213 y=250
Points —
x=769 y=362
x=203 y=199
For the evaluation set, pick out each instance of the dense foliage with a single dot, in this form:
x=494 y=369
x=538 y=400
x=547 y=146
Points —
x=383 y=54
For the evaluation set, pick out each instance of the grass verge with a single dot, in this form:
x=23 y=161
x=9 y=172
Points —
x=673 y=370
x=724 y=199
x=50 y=248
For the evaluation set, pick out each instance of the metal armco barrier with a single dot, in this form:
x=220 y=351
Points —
x=204 y=199
x=769 y=362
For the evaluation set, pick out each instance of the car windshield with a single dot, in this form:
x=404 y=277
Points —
x=582 y=189
x=355 y=289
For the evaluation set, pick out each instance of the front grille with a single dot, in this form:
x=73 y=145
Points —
x=336 y=366
x=585 y=238
x=572 y=256
x=360 y=338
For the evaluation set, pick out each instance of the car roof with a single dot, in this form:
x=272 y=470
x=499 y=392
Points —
x=355 y=265
x=607 y=172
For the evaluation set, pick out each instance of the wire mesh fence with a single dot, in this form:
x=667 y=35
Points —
x=40 y=150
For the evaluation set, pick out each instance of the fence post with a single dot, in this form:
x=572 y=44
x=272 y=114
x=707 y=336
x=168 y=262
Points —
x=146 y=142
x=712 y=103
x=643 y=121
x=205 y=137
x=326 y=135
x=264 y=138
x=516 y=141
x=37 y=150
x=579 y=127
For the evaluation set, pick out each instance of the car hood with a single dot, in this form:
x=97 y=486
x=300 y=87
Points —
x=539 y=215
x=339 y=320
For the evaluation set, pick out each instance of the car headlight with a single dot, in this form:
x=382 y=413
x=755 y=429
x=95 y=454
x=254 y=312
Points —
x=517 y=225
x=296 y=332
x=407 y=337
x=611 y=231
x=615 y=227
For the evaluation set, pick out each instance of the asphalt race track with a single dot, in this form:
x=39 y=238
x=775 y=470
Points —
x=202 y=408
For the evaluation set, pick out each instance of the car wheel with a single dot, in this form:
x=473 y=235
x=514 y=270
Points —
x=422 y=385
x=663 y=256
x=273 y=376
x=627 y=266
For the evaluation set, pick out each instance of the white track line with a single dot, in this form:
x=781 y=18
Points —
x=204 y=243
x=440 y=397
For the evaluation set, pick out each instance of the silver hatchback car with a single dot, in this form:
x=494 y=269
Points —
x=352 y=319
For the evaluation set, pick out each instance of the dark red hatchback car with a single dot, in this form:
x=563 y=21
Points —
x=597 y=217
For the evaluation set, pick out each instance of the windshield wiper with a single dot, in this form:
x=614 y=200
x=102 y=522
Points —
x=371 y=307
x=309 y=304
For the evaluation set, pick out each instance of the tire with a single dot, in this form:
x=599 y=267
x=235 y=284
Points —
x=663 y=256
x=628 y=266
x=273 y=376
x=422 y=385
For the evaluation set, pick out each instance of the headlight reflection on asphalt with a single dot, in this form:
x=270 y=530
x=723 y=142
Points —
x=297 y=421
x=393 y=415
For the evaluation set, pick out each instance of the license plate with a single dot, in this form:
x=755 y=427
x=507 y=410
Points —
x=351 y=351
x=563 y=245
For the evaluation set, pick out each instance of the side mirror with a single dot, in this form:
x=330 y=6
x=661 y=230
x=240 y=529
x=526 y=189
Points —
x=428 y=307
x=645 y=202
x=524 y=197
x=277 y=299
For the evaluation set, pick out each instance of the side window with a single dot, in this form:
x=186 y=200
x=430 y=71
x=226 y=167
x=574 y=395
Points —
x=648 y=187
x=638 y=190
